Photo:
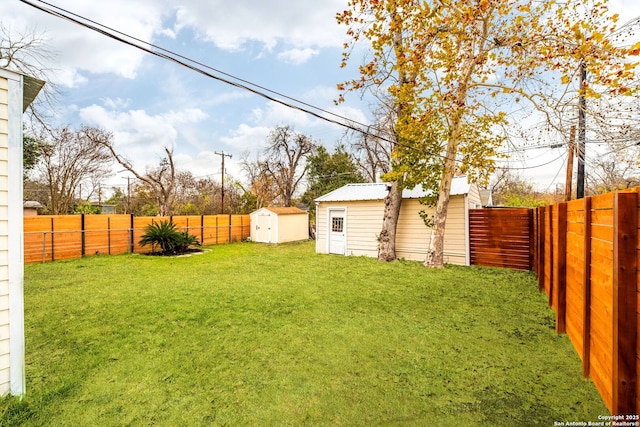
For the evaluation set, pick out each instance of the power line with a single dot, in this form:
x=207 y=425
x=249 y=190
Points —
x=239 y=82
x=180 y=60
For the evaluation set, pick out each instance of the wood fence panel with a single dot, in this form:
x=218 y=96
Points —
x=575 y=275
x=67 y=237
x=550 y=253
x=501 y=238
x=560 y=267
x=211 y=230
x=96 y=235
x=139 y=225
x=49 y=238
x=625 y=323
x=107 y=234
x=120 y=240
x=38 y=239
x=601 y=333
x=597 y=239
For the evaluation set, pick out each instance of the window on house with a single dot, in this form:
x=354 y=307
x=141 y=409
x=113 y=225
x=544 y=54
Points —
x=337 y=225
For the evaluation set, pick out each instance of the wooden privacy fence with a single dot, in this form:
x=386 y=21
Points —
x=586 y=260
x=56 y=237
x=501 y=237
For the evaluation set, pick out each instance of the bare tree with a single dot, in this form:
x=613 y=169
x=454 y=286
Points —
x=261 y=186
x=70 y=158
x=285 y=161
x=161 y=180
x=615 y=170
x=28 y=53
x=372 y=150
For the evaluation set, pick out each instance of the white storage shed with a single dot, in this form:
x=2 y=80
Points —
x=279 y=225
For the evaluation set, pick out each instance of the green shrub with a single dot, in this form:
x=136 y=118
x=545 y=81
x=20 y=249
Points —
x=165 y=235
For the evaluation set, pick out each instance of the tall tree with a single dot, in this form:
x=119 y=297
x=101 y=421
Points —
x=284 y=161
x=70 y=158
x=372 y=150
x=31 y=153
x=455 y=61
x=327 y=172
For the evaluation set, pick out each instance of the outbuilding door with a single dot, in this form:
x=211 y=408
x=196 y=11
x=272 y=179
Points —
x=337 y=231
x=263 y=228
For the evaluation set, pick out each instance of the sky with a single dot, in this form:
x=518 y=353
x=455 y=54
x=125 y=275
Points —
x=293 y=47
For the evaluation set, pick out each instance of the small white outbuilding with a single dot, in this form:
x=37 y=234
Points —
x=279 y=225
x=349 y=221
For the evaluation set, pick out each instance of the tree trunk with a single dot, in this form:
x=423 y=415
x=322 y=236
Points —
x=387 y=238
x=435 y=253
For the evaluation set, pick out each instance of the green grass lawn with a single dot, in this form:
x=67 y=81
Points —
x=253 y=335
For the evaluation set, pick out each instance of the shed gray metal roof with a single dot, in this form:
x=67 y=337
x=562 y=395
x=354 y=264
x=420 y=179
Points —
x=378 y=191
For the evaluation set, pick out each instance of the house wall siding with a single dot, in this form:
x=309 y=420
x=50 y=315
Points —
x=364 y=222
x=5 y=383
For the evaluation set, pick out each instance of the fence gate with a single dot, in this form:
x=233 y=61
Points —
x=501 y=237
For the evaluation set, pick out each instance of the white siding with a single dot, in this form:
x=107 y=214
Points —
x=413 y=236
x=11 y=244
x=5 y=383
x=473 y=198
x=364 y=222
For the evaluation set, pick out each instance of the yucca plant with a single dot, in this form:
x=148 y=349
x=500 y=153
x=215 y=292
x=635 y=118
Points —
x=165 y=235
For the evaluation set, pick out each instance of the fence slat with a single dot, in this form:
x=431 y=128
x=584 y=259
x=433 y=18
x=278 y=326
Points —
x=561 y=270
x=541 y=247
x=624 y=296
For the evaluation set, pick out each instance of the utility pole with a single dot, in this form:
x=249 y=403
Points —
x=569 y=179
x=582 y=130
x=222 y=154
x=128 y=204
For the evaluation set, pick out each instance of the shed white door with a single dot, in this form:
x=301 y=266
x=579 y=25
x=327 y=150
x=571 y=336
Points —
x=337 y=231
x=263 y=228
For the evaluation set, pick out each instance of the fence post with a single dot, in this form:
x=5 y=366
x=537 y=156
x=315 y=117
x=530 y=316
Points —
x=109 y=235
x=230 y=229
x=53 y=246
x=202 y=229
x=532 y=245
x=625 y=235
x=131 y=243
x=44 y=247
x=82 y=238
x=551 y=259
x=561 y=270
x=586 y=300
x=541 y=246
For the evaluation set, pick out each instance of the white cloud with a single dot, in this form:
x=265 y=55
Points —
x=297 y=56
x=77 y=50
x=247 y=138
x=230 y=25
x=141 y=137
